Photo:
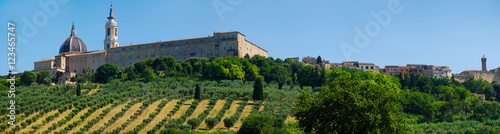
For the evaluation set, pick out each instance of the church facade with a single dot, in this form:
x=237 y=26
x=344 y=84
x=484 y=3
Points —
x=74 y=59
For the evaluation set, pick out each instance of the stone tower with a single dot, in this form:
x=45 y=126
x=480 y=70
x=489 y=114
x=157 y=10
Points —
x=483 y=61
x=111 y=39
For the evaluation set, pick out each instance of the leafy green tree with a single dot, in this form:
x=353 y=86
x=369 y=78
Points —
x=58 y=75
x=193 y=122
x=41 y=75
x=246 y=56
x=177 y=67
x=257 y=124
x=305 y=76
x=107 y=72
x=197 y=67
x=73 y=79
x=28 y=77
x=197 y=92
x=188 y=69
x=225 y=68
x=280 y=74
x=211 y=122
x=417 y=103
x=279 y=61
x=352 y=103
x=148 y=74
x=251 y=70
x=258 y=89
x=131 y=74
x=47 y=81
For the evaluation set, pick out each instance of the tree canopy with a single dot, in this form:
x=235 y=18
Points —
x=352 y=102
x=107 y=72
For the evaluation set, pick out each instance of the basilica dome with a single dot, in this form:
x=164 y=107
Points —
x=73 y=43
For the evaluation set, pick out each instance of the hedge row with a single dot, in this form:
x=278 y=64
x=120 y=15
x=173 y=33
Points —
x=164 y=120
x=230 y=121
x=150 y=118
x=83 y=117
x=211 y=122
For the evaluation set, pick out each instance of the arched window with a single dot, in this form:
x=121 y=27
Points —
x=108 y=32
x=116 y=32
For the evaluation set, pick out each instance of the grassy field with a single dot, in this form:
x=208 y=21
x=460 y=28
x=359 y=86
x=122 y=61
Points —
x=144 y=115
x=202 y=106
x=228 y=113
x=38 y=121
x=108 y=116
x=213 y=113
x=92 y=116
x=75 y=118
x=183 y=109
x=163 y=113
x=124 y=118
x=9 y=127
x=244 y=114
x=55 y=120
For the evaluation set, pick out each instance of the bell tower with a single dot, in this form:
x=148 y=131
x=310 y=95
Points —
x=111 y=39
x=483 y=61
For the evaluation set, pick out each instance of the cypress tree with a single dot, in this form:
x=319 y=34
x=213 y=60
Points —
x=78 y=90
x=197 y=92
x=258 y=89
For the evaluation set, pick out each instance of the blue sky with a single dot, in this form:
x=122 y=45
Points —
x=452 y=33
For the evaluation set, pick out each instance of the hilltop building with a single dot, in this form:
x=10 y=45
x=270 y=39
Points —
x=74 y=58
x=489 y=76
x=369 y=67
x=422 y=69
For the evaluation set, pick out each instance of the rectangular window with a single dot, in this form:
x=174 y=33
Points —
x=152 y=56
x=138 y=47
x=131 y=48
x=138 y=56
